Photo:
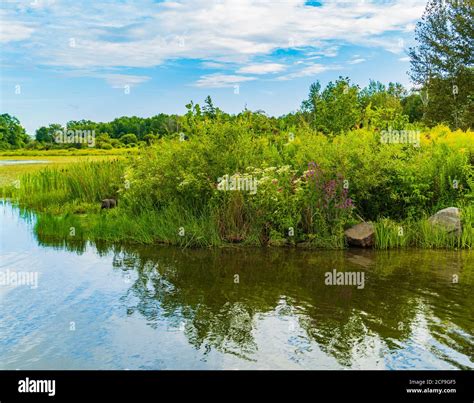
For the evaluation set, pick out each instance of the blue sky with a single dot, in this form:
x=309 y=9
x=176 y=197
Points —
x=98 y=60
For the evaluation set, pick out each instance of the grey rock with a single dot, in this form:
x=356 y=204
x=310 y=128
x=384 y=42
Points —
x=449 y=219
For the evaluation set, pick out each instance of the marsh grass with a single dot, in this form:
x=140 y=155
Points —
x=172 y=226
x=13 y=172
x=422 y=234
x=54 y=189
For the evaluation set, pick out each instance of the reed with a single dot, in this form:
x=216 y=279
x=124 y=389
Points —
x=52 y=188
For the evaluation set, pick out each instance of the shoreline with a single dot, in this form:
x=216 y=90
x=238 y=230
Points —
x=57 y=228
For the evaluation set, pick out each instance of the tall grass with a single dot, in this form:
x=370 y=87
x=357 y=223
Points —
x=51 y=188
x=392 y=235
x=172 y=225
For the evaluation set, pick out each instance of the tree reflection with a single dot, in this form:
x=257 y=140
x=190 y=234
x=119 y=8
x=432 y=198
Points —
x=217 y=298
x=199 y=288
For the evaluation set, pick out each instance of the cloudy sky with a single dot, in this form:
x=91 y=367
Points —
x=98 y=60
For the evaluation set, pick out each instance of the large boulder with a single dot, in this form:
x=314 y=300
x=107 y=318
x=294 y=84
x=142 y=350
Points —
x=362 y=234
x=449 y=219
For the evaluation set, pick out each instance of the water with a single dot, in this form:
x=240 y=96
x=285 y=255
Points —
x=117 y=307
x=22 y=162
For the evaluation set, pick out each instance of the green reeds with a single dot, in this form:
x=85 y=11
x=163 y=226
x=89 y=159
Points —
x=422 y=234
x=50 y=189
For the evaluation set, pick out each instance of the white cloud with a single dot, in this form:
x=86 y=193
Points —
x=214 y=65
x=310 y=70
x=404 y=59
x=262 y=68
x=11 y=31
x=356 y=61
x=115 y=80
x=121 y=80
x=221 y=80
x=147 y=33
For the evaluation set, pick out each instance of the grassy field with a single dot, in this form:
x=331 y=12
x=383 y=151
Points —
x=11 y=173
x=81 y=152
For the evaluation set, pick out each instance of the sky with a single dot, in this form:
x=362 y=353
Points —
x=99 y=60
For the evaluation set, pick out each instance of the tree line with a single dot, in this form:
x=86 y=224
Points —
x=441 y=71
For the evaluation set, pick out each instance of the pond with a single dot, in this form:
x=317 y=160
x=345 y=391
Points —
x=22 y=162
x=102 y=306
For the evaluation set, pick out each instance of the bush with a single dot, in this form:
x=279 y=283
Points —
x=309 y=186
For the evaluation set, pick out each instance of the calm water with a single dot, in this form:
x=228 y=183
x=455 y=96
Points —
x=21 y=162
x=112 y=307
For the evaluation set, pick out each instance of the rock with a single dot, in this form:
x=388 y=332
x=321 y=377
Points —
x=449 y=219
x=362 y=234
x=108 y=203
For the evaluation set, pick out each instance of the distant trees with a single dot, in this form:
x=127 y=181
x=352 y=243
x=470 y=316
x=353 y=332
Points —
x=382 y=105
x=12 y=133
x=335 y=109
x=342 y=106
x=413 y=107
x=339 y=107
x=129 y=138
x=47 y=134
x=43 y=135
x=442 y=62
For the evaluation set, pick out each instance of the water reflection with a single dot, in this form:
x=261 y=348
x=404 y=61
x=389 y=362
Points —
x=409 y=303
x=270 y=308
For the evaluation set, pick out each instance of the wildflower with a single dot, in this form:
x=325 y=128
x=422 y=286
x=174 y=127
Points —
x=283 y=169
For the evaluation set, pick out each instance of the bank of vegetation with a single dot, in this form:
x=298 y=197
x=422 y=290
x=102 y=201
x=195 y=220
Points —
x=349 y=154
x=310 y=187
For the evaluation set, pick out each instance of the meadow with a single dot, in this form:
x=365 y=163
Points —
x=310 y=188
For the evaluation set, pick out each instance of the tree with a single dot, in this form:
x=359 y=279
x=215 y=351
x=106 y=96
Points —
x=442 y=62
x=382 y=105
x=12 y=133
x=310 y=104
x=209 y=109
x=413 y=107
x=48 y=134
x=334 y=110
x=43 y=136
x=129 y=138
x=379 y=96
x=150 y=138
x=103 y=141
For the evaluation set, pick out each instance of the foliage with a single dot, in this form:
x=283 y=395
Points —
x=442 y=61
x=309 y=187
x=335 y=109
x=12 y=134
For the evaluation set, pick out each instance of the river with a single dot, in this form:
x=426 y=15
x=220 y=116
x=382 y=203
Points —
x=103 y=306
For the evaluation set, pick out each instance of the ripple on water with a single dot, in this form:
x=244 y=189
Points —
x=164 y=308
